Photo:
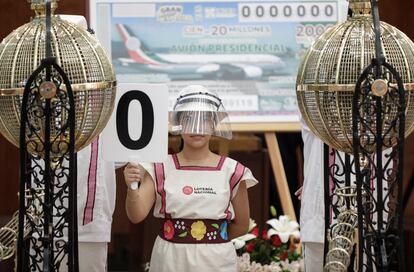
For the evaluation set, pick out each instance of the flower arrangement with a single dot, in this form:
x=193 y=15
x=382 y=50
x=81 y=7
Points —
x=276 y=249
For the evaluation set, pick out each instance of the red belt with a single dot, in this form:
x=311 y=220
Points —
x=194 y=231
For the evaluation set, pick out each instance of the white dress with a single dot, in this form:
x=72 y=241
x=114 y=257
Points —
x=96 y=194
x=312 y=210
x=192 y=192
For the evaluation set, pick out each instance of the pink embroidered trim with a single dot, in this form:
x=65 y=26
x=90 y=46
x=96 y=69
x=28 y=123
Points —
x=90 y=199
x=221 y=162
x=160 y=180
x=234 y=180
x=372 y=178
x=195 y=168
x=331 y=162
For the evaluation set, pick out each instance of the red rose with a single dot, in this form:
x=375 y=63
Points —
x=296 y=240
x=283 y=256
x=264 y=234
x=255 y=232
x=276 y=241
x=250 y=246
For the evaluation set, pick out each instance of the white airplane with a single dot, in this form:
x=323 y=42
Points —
x=246 y=65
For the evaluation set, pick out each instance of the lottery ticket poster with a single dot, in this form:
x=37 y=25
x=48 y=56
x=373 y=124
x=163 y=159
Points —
x=246 y=51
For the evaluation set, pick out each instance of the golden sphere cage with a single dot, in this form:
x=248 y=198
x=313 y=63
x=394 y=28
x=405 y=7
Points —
x=82 y=58
x=329 y=71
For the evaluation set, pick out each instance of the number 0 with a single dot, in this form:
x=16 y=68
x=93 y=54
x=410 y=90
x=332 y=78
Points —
x=147 y=120
x=246 y=11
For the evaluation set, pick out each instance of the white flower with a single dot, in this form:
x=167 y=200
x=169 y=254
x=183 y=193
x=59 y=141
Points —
x=284 y=227
x=244 y=265
x=252 y=224
x=295 y=266
x=239 y=242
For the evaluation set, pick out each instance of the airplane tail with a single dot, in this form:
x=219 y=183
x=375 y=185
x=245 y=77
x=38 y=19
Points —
x=135 y=48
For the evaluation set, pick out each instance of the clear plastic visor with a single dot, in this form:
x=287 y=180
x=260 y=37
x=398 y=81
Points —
x=200 y=115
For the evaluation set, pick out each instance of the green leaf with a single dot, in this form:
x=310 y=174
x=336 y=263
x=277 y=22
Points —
x=215 y=225
x=262 y=248
x=184 y=234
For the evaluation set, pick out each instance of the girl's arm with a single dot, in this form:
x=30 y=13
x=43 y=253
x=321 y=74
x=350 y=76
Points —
x=240 y=225
x=138 y=202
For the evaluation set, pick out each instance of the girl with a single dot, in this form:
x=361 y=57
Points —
x=201 y=196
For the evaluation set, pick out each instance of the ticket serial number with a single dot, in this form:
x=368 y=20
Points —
x=288 y=12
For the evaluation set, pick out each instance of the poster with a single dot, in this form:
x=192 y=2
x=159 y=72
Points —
x=246 y=51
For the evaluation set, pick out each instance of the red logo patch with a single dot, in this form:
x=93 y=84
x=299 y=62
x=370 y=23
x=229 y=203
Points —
x=188 y=190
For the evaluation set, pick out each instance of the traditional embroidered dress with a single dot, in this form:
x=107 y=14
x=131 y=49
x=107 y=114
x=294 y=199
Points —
x=195 y=203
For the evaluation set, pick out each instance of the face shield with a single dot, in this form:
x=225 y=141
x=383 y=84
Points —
x=199 y=111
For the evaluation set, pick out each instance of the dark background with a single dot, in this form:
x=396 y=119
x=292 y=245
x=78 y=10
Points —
x=128 y=245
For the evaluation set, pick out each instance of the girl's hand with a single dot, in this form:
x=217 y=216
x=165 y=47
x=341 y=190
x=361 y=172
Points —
x=298 y=193
x=133 y=173
x=139 y=202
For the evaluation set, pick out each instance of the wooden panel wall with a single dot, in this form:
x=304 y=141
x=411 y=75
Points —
x=397 y=13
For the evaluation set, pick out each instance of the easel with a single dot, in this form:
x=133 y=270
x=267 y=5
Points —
x=269 y=130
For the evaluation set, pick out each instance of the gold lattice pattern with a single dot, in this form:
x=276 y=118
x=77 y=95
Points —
x=81 y=57
x=328 y=74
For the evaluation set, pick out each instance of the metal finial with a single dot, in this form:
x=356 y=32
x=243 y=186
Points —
x=39 y=6
x=360 y=7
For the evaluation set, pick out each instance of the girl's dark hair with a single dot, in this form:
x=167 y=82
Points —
x=180 y=148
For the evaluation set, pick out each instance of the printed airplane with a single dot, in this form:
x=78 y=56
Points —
x=227 y=65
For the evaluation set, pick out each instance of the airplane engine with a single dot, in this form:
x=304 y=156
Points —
x=252 y=71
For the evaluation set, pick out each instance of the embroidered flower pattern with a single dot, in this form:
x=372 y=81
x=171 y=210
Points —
x=212 y=235
x=168 y=230
x=223 y=231
x=179 y=225
x=198 y=229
